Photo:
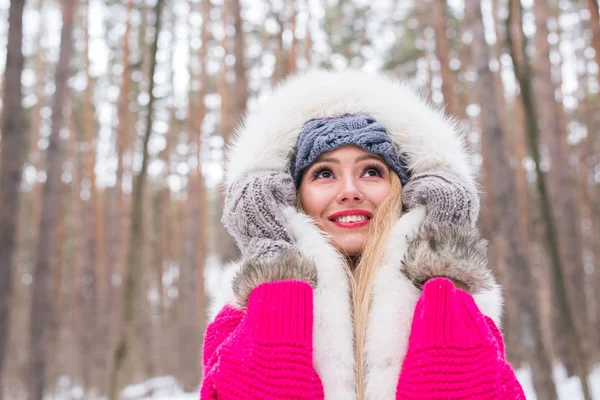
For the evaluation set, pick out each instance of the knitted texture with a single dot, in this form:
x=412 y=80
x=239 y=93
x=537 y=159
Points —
x=319 y=136
x=453 y=352
x=446 y=195
x=252 y=213
x=269 y=355
x=225 y=323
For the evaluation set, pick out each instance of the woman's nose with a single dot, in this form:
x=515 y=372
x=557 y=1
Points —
x=349 y=191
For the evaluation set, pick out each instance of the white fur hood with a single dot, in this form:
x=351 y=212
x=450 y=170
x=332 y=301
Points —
x=427 y=139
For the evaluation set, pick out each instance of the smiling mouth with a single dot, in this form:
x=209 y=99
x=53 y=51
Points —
x=351 y=218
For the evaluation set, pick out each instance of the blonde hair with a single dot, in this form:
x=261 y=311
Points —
x=372 y=256
x=384 y=218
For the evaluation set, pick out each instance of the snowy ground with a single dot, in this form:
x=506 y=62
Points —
x=568 y=388
x=166 y=388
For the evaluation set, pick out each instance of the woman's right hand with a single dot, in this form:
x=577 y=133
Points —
x=253 y=215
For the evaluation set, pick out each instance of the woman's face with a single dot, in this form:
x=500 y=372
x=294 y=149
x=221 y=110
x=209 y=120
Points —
x=341 y=191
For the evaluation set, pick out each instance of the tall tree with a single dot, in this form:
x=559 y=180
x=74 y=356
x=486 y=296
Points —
x=562 y=182
x=193 y=259
x=40 y=305
x=117 y=219
x=240 y=90
x=593 y=124
x=308 y=43
x=523 y=74
x=34 y=154
x=293 y=49
x=136 y=239
x=504 y=197
x=234 y=96
x=594 y=25
x=11 y=151
x=442 y=46
x=92 y=279
x=77 y=259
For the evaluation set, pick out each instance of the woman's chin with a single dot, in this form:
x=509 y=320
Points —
x=351 y=245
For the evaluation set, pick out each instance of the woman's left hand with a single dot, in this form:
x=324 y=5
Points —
x=448 y=197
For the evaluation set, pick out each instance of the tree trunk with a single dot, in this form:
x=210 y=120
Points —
x=292 y=64
x=77 y=252
x=117 y=220
x=562 y=182
x=442 y=46
x=40 y=307
x=308 y=43
x=12 y=146
x=136 y=240
x=515 y=348
x=194 y=246
x=35 y=155
x=523 y=74
x=240 y=89
x=587 y=151
x=55 y=292
x=593 y=123
x=91 y=281
x=506 y=205
x=233 y=101
x=594 y=25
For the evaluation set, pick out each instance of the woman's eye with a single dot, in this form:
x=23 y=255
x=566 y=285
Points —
x=324 y=175
x=372 y=172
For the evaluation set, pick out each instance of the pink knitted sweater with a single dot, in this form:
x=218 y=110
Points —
x=454 y=351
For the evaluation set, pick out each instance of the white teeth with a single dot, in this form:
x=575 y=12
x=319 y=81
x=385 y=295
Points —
x=351 y=218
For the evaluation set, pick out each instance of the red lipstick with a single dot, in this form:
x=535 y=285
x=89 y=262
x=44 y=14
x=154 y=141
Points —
x=351 y=224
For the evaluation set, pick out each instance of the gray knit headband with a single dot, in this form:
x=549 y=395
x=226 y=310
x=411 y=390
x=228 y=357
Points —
x=319 y=136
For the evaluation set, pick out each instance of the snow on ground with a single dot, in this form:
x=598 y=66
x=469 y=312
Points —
x=166 y=388
x=568 y=388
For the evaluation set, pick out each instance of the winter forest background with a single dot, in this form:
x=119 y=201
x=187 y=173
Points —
x=114 y=119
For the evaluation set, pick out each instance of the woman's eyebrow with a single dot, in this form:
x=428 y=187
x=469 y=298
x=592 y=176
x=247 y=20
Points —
x=358 y=159
x=328 y=159
x=368 y=157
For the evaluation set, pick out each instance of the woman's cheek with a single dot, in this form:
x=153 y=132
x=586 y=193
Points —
x=378 y=193
x=313 y=201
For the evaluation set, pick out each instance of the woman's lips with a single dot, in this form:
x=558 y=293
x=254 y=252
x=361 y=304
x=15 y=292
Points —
x=351 y=224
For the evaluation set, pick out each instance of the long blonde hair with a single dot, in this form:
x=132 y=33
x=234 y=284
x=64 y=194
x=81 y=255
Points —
x=384 y=218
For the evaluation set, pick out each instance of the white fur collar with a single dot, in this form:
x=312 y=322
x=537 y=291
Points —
x=394 y=299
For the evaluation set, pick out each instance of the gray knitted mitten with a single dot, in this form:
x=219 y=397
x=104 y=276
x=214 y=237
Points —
x=447 y=197
x=252 y=214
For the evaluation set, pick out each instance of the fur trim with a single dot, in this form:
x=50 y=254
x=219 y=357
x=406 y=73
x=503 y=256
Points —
x=333 y=338
x=224 y=293
x=449 y=251
x=425 y=135
x=392 y=310
x=287 y=266
x=491 y=303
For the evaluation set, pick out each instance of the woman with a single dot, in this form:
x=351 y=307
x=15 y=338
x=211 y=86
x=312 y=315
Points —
x=339 y=293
